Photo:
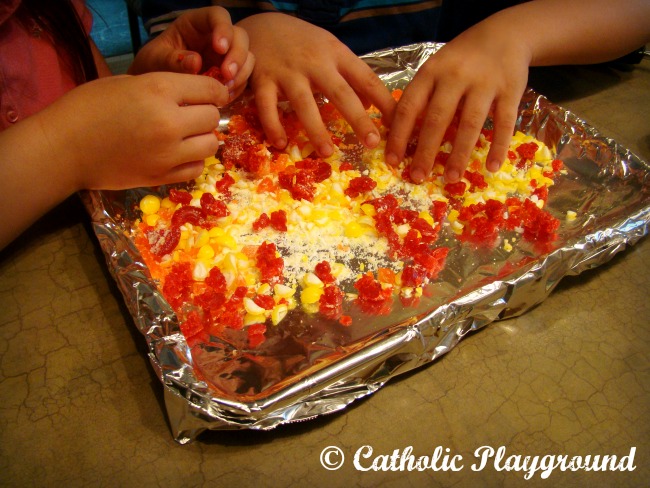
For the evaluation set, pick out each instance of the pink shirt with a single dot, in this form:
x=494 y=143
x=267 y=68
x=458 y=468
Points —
x=32 y=75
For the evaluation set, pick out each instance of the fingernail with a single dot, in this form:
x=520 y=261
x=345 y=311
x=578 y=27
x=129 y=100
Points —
x=189 y=65
x=233 y=69
x=372 y=140
x=223 y=44
x=391 y=159
x=417 y=175
x=230 y=84
x=493 y=165
x=325 y=150
x=280 y=143
x=452 y=176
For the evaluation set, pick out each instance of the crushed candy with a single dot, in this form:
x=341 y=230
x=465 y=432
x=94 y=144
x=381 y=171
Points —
x=263 y=232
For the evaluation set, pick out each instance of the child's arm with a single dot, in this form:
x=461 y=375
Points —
x=485 y=70
x=111 y=133
x=295 y=59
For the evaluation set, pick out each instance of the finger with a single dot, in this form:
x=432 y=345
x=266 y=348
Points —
x=187 y=61
x=405 y=114
x=193 y=90
x=472 y=119
x=439 y=115
x=183 y=172
x=237 y=55
x=347 y=102
x=197 y=147
x=198 y=119
x=303 y=102
x=505 y=117
x=218 y=29
x=238 y=85
x=198 y=26
x=266 y=100
x=370 y=89
x=222 y=29
x=160 y=55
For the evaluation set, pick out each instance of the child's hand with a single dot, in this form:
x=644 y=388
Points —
x=478 y=73
x=295 y=59
x=130 y=131
x=196 y=41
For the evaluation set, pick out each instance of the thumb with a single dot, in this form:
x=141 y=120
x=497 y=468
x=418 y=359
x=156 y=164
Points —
x=185 y=62
x=153 y=57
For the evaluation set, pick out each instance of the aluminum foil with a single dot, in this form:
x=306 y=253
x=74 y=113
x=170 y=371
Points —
x=309 y=367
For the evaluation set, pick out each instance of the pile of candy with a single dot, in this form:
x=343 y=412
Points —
x=263 y=231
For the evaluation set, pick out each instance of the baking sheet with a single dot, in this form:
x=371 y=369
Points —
x=308 y=367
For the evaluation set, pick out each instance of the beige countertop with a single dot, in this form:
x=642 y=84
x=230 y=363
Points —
x=80 y=405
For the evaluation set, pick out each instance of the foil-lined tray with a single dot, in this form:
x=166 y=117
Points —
x=307 y=367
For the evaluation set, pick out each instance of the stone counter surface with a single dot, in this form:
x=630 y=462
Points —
x=80 y=405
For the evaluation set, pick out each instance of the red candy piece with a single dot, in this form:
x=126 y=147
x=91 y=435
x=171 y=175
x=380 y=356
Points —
x=270 y=265
x=215 y=72
x=255 y=334
x=189 y=215
x=279 y=220
x=192 y=327
x=527 y=150
x=262 y=222
x=265 y=301
x=216 y=280
x=177 y=288
x=330 y=303
x=224 y=184
x=180 y=196
x=456 y=189
x=359 y=185
x=163 y=241
x=213 y=207
x=324 y=272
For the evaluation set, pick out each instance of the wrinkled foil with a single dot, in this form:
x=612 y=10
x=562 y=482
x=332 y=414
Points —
x=308 y=367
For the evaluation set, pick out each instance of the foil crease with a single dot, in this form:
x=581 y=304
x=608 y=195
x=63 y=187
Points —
x=314 y=371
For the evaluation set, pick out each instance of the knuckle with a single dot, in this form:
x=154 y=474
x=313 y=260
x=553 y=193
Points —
x=212 y=145
x=474 y=121
x=302 y=99
x=360 y=120
x=434 y=120
x=340 y=91
x=457 y=162
x=406 y=108
x=370 y=80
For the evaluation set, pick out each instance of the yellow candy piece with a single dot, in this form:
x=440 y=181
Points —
x=282 y=291
x=252 y=308
x=150 y=204
x=311 y=294
x=226 y=240
x=310 y=279
x=202 y=238
x=353 y=229
x=205 y=252
x=152 y=219
x=264 y=289
x=369 y=209
x=278 y=313
x=424 y=215
x=167 y=203
x=250 y=319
